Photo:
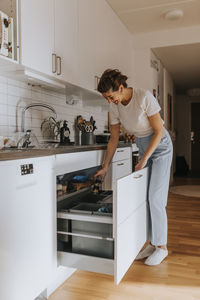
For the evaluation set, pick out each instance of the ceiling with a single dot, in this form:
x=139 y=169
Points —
x=143 y=16
x=182 y=63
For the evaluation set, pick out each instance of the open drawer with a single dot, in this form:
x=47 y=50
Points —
x=107 y=244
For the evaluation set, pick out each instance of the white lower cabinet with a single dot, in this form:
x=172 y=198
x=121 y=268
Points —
x=120 y=169
x=120 y=166
x=27 y=238
x=105 y=241
x=129 y=203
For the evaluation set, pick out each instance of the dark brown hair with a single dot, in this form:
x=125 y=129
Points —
x=111 y=80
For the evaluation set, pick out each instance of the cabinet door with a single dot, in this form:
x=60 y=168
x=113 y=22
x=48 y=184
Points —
x=27 y=226
x=122 y=153
x=36 y=27
x=104 y=42
x=113 y=42
x=129 y=220
x=66 y=39
x=87 y=37
x=120 y=169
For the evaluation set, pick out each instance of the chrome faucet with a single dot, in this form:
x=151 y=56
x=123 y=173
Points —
x=34 y=105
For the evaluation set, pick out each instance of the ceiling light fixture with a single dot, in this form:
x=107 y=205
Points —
x=174 y=15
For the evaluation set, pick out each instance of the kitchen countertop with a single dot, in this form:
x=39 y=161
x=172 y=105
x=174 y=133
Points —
x=12 y=154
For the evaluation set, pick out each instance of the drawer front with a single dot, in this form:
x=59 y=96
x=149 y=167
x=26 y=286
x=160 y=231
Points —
x=121 y=169
x=130 y=238
x=70 y=162
x=86 y=263
x=130 y=193
x=121 y=154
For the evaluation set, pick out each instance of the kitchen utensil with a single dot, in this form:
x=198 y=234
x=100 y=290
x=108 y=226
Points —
x=97 y=185
x=87 y=138
x=85 y=126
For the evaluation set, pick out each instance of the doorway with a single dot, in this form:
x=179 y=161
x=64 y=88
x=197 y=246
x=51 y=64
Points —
x=195 y=138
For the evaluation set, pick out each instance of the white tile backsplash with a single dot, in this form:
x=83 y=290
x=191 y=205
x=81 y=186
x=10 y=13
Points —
x=15 y=95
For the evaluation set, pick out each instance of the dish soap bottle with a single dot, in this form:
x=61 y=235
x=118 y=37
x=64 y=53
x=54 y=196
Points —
x=64 y=134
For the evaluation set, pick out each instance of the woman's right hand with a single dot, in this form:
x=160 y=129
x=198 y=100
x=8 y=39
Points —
x=101 y=173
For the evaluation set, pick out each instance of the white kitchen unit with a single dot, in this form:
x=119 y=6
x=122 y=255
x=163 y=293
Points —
x=121 y=165
x=49 y=37
x=49 y=31
x=104 y=42
x=66 y=39
x=27 y=226
x=73 y=40
x=87 y=37
x=36 y=35
x=105 y=243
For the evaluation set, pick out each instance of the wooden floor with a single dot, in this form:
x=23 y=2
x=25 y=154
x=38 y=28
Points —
x=177 y=278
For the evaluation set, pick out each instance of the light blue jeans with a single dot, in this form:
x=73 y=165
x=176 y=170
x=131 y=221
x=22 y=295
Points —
x=158 y=185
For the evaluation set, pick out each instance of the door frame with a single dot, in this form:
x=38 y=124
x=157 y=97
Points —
x=190 y=129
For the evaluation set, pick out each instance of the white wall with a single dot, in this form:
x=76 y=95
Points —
x=14 y=95
x=143 y=77
x=157 y=81
x=143 y=43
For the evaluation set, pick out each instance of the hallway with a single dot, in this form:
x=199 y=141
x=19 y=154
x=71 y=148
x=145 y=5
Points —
x=178 y=277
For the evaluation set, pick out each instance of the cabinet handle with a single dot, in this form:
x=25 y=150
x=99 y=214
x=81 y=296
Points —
x=53 y=63
x=58 y=65
x=137 y=176
x=120 y=150
x=85 y=235
x=120 y=164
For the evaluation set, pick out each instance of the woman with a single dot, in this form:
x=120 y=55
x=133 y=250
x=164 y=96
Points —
x=138 y=112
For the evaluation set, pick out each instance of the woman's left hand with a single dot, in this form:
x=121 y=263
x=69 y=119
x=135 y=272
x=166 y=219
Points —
x=141 y=164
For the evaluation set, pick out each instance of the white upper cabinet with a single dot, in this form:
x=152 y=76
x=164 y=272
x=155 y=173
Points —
x=49 y=31
x=36 y=34
x=66 y=39
x=87 y=36
x=104 y=42
x=73 y=40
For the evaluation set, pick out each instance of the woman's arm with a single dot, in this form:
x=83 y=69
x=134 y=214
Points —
x=112 y=145
x=157 y=125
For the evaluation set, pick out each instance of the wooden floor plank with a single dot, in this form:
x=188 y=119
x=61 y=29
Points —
x=178 y=277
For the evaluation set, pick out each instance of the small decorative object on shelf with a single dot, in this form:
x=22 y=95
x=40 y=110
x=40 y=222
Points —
x=50 y=128
x=6 y=35
x=64 y=134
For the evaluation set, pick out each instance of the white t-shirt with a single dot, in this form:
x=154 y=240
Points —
x=134 y=115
